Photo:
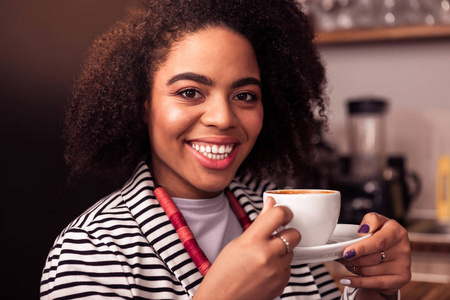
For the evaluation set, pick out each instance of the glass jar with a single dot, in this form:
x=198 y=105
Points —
x=366 y=128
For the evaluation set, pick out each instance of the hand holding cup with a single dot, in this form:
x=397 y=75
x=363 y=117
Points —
x=316 y=212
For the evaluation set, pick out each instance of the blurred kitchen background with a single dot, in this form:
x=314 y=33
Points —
x=396 y=51
x=387 y=148
x=388 y=64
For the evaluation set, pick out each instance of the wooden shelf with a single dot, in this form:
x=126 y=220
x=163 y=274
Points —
x=383 y=34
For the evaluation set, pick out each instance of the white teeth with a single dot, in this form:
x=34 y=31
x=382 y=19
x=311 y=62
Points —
x=215 y=149
x=215 y=152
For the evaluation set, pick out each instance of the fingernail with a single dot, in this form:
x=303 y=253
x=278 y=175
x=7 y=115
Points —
x=349 y=254
x=364 y=228
x=345 y=281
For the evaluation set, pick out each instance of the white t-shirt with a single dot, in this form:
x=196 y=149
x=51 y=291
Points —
x=212 y=221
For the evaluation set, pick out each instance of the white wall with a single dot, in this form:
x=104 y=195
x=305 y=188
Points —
x=414 y=76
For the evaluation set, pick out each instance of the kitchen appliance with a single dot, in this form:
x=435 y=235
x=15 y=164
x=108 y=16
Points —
x=369 y=179
x=404 y=186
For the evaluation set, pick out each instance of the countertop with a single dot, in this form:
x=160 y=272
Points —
x=425 y=291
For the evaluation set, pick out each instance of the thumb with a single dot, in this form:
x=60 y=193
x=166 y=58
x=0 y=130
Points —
x=268 y=204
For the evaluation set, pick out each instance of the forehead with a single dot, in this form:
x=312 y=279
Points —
x=208 y=49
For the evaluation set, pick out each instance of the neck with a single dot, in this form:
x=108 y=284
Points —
x=189 y=194
x=186 y=236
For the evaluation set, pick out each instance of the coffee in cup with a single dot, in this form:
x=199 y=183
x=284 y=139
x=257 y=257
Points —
x=316 y=212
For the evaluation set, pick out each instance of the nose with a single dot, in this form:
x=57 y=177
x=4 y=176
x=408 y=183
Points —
x=219 y=113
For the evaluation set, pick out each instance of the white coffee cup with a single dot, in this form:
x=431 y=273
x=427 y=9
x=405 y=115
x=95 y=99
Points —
x=316 y=212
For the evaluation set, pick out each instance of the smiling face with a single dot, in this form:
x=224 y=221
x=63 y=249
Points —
x=204 y=113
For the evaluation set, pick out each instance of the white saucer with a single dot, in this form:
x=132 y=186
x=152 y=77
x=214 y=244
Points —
x=343 y=236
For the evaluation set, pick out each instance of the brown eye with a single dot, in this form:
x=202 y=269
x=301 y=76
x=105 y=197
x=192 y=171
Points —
x=245 y=97
x=191 y=93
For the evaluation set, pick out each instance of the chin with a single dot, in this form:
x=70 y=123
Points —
x=214 y=185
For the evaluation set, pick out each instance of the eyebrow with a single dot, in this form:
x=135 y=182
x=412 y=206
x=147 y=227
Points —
x=191 y=76
x=246 y=81
x=208 y=81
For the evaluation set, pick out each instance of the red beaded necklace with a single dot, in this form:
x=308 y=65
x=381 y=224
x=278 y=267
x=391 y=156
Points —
x=184 y=232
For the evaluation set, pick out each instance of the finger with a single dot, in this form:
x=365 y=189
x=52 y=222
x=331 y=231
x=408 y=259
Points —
x=369 y=260
x=391 y=234
x=287 y=240
x=374 y=270
x=371 y=223
x=400 y=267
x=270 y=202
x=385 y=282
x=271 y=220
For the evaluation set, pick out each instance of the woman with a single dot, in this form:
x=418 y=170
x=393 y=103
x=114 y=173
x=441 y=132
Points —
x=200 y=96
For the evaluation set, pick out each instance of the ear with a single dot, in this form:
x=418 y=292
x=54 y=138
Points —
x=146 y=110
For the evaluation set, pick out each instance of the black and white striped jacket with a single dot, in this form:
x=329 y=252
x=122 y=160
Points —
x=124 y=247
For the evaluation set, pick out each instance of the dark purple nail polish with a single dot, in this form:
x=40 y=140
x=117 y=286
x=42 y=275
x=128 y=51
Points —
x=364 y=228
x=349 y=254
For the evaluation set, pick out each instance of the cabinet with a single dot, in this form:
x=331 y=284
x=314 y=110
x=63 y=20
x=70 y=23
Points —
x=383 y=34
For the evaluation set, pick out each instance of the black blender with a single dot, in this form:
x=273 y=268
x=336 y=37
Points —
x=361 y=182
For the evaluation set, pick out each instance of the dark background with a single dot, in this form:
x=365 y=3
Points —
x=42 y=47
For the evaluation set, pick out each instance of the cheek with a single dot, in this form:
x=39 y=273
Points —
x=253 y=123
x=168 y=122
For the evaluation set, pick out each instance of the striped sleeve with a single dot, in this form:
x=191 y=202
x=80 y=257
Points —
x=80 y=266
x=83 y=266
x=325 y=283
x=349 y=293
x=103 y=255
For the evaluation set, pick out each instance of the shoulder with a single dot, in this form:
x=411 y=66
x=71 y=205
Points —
x=94 y=229
x=108 y=207
x=101 y=249
x=114 y=208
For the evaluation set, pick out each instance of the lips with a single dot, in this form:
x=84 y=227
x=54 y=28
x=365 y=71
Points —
x=213 y=151
x=214 y=155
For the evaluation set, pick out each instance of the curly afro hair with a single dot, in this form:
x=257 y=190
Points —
x=105 y=131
